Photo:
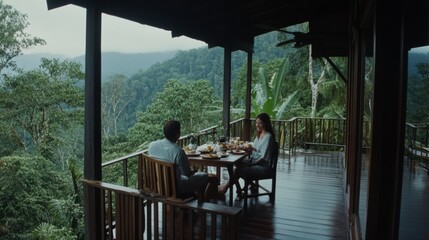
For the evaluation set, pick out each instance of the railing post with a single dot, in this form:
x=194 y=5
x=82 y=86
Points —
x=140 y=173
x=426 y=135
x=246 y=129
x=125 y=171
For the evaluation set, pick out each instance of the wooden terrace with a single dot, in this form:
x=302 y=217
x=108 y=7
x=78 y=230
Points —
x=373 y=35
x=309 y=202
x=310 y=196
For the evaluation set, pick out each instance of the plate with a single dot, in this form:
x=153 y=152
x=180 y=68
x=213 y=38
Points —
x=238 y=151
x=210 y=156
x=204 y=151
x=224 y=155
x=192 y=154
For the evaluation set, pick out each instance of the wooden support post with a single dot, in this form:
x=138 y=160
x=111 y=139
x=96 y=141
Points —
x=227 y=91
x=386 y=166
x=247 y=127
x=92 y=138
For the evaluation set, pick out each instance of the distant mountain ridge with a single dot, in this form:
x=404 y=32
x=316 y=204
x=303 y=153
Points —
x=112 y=62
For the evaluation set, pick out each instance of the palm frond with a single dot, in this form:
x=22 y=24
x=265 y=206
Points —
x=279 y=78
x=288 y=103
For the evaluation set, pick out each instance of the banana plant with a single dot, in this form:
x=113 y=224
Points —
x=266 y=94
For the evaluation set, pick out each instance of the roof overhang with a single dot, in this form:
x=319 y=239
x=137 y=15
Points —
x=234 y=24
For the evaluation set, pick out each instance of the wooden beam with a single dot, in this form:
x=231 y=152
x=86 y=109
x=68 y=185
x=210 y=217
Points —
x=247 y=127
x=337 y=70
x=386 y=164
x=226 y=91
x=56 y=3
x=92 y=137
x=355 y=103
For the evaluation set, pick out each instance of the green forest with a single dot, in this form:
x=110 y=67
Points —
x=42 y=111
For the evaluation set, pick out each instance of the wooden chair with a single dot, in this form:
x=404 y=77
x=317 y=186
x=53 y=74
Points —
x=159 y=179
x=254 y=181
x=179 y=214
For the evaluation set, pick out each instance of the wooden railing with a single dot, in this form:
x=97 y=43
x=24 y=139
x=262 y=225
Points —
x=417 y=133
x=128 y=166
x=417 y=142
x=203 y=136
x=321 y=133
x=129 y=214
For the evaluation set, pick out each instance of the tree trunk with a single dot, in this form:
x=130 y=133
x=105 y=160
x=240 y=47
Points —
x=315 y=84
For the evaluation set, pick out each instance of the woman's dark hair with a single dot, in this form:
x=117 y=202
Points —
x=266 y=120
x=171 y=130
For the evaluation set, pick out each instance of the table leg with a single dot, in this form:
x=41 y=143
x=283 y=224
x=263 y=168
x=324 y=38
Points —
x=231 y=184
x=218 y=173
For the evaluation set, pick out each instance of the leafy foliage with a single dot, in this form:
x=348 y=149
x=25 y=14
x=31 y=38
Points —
x=266 y=94
x=200 y=63
x=115 y=98
x=36 y=106
x=418 y=95
x=333 y=93
x=28 y=184
x=13 y=38
x=190 y=103
x=46 y=231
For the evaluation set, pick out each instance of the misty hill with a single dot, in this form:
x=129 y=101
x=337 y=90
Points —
x=112 y=62
x=146 y=73
x=413 y=59
x=204 y=63
x=191 y=65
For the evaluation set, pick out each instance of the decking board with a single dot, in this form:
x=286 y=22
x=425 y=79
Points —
x=309 y=201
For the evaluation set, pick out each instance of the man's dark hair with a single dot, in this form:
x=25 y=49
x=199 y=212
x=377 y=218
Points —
x=171 y=130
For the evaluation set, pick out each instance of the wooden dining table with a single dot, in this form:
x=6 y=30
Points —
x=227 y=162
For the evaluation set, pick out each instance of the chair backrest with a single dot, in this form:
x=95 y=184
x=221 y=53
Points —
x=274 y=156
x=159 y=177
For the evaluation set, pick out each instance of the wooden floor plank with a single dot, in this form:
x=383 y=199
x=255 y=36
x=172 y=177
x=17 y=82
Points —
x=309 y=202
x=414 y=223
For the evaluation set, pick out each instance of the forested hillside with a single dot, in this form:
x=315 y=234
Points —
x=203 y=64
x=126 y=64
x=195 y=64
x=418 y=88
x=413 y=59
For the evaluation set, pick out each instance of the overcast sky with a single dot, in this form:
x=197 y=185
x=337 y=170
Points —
x=63 y=29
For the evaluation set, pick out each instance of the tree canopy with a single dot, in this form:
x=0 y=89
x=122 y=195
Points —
x=39 y=105
x=418 y=95
x=13 y=36
x=32 y=191
x=192 y=103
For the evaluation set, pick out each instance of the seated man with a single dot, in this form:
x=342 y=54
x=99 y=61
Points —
x=188 y=182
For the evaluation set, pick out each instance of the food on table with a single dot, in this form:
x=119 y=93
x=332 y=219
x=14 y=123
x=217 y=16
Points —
x=210 y=155
x=237 y=151
x=204 y=150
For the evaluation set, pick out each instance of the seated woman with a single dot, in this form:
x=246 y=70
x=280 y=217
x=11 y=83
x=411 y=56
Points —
x=260 y=153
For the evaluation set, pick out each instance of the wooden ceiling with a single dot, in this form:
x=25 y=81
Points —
x=233 y=24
